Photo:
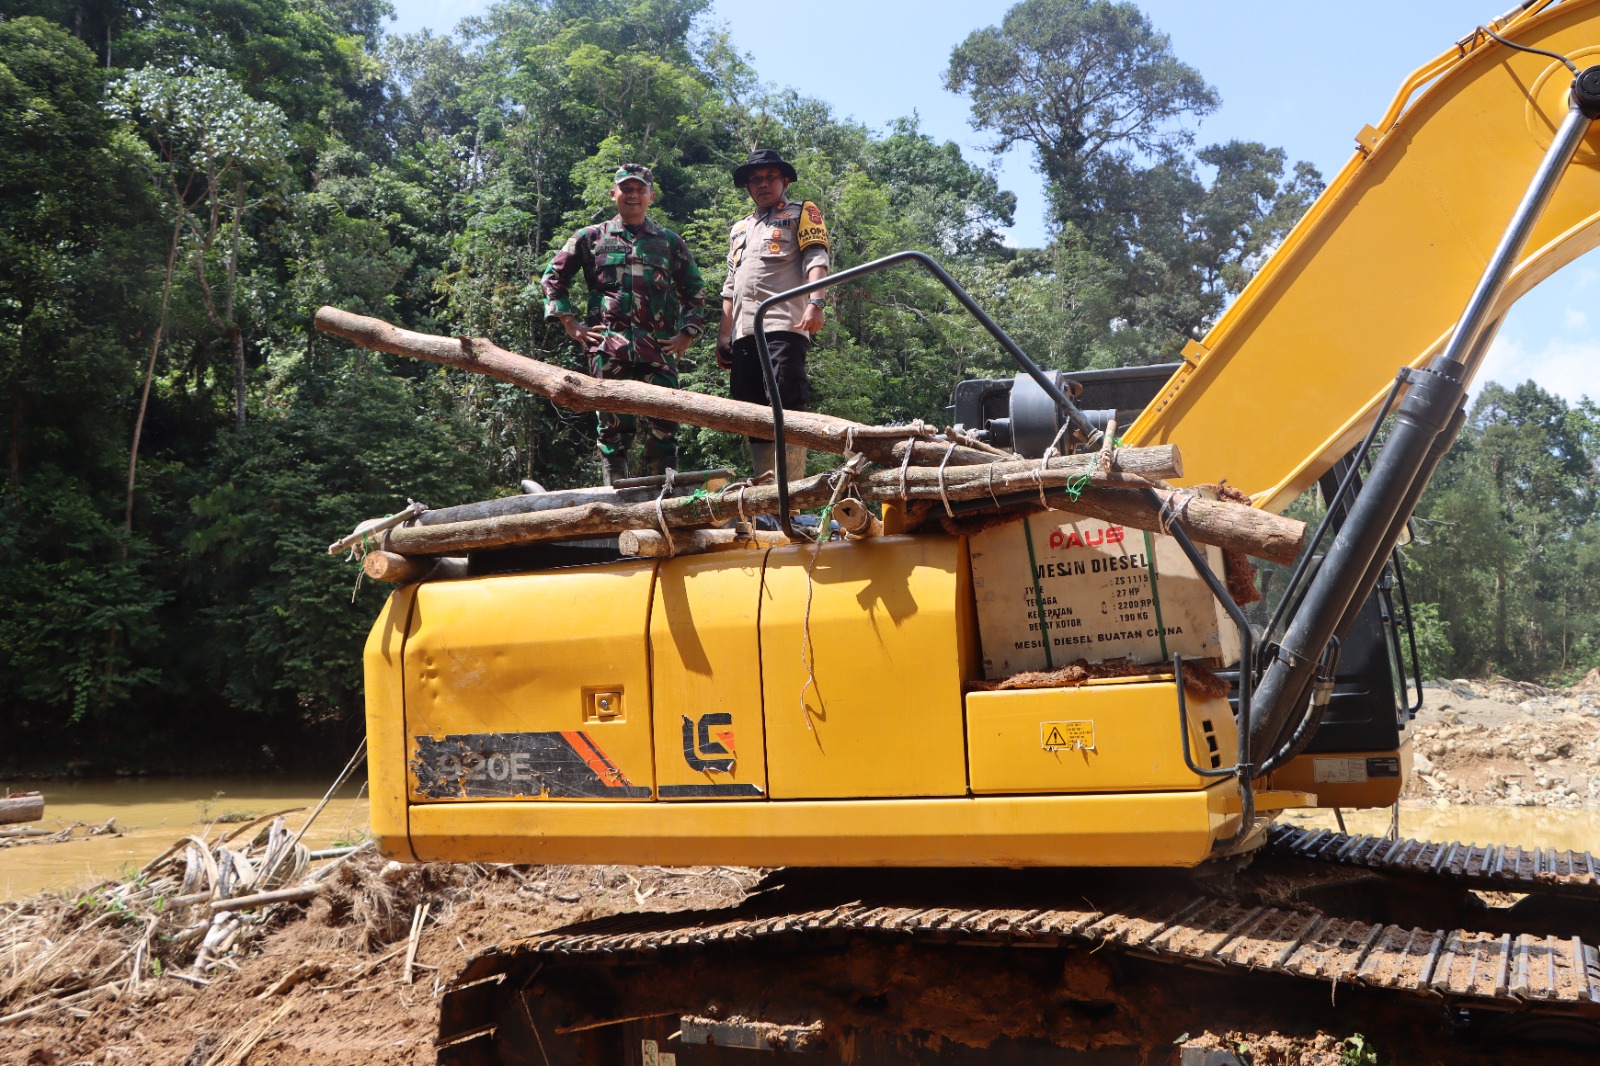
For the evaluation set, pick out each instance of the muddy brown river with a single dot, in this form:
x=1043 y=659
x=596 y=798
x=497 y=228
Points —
x=152 y=813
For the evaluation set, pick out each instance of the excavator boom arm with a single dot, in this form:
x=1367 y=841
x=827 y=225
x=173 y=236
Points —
x=1377 y=273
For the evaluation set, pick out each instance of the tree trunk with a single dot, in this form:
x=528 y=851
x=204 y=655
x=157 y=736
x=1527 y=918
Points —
x=27 y=807
x=14 y=453
x=149 y=375
x=235 y=334
x=579 y=392
x=236 y=342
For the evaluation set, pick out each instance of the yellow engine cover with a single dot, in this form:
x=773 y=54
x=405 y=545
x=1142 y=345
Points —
x=1100 y=737
x=864 y=647
x=710 y=740
x=769 y=707
x=532 y=686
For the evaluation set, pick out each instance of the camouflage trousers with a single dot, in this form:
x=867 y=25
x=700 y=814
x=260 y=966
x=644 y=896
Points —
x=617 y=430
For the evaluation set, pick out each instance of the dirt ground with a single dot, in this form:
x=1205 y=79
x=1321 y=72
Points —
x=325 y=982
x=1508 y=744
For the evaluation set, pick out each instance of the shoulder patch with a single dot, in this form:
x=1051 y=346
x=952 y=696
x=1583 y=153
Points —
x=812 y=230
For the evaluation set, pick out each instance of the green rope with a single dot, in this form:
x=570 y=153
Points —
x=1075 y=486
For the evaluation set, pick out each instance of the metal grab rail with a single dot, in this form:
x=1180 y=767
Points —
x=1063 y=403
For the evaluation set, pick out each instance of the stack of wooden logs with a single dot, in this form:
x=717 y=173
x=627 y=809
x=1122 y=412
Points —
x=912 y=468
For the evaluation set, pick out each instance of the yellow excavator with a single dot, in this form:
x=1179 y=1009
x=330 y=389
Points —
x=821 y=706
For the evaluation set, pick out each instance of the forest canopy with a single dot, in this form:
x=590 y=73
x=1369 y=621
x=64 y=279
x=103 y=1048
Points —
x=187 y=181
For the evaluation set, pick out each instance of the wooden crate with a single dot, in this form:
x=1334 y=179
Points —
x=1056 y=587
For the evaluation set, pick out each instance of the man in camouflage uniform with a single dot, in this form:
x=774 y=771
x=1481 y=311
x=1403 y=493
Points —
x=776 y=247
x=646 y=306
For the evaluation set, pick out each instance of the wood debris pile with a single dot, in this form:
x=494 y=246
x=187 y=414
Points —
x=183 y=914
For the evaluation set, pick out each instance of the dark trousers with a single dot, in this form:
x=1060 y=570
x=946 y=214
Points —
x=788 y=350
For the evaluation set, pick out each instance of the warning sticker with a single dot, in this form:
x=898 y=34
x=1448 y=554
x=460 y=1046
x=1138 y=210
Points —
x=1068 y=736
x=650 y=1054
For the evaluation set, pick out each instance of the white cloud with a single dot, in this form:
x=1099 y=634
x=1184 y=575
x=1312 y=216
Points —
x=1570 y=369
x=1574 y=318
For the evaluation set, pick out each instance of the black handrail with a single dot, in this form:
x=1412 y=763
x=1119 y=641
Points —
x=781 y=468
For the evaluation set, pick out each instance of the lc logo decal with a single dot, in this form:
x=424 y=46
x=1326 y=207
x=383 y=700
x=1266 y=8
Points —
x=706 y=746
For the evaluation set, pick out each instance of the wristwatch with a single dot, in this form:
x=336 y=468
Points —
x=816 y=301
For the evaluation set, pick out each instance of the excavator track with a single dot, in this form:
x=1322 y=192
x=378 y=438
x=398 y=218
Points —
x=789 y=969
x=1502 y=868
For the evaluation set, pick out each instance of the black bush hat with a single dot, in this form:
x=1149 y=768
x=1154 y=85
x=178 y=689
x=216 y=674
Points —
x=762 y=157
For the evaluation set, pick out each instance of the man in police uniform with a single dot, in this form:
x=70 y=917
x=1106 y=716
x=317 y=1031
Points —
x=646 y=306
x=776 y=247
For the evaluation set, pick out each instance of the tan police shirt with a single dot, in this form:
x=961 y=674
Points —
x=768 y=252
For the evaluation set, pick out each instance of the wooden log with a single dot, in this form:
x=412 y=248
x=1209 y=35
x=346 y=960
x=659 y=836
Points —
x=397 y=569
x=579 y=392
x=650 y=544
x=634 y=490
x=21 y=807
x=1230 y=526
x=262 y=899
x=715 y=509
x=23 y=833
x=1227 y=525
x=855 y=520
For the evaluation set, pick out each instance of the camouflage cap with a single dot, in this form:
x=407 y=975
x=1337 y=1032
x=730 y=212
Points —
x=634 y=172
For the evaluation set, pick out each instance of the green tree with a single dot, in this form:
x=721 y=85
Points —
x=1509 y=532
x=309 y=59
x=1088 y=84
x=1094 y=88
x=208 y=140
x=72 y=217
x=282 y=626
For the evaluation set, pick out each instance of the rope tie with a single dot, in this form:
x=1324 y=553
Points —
x=661 y=511
x=1174 y=509
x=1044 y=464
x=905 y=465
x=740 y=486
x=943 y=495
x=841 y=479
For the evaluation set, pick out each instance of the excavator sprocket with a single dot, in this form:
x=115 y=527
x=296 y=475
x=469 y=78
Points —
x=967 y=966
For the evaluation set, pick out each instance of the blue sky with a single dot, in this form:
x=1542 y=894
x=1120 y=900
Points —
x=1293 y=73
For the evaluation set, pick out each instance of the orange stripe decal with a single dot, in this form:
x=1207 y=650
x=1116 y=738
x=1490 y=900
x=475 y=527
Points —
x=596 y=759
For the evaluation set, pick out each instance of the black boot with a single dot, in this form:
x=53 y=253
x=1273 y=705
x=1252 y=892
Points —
x=614 y=467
